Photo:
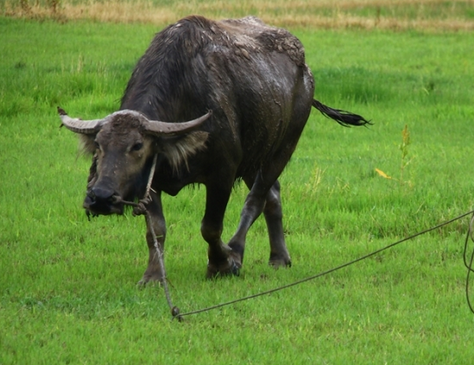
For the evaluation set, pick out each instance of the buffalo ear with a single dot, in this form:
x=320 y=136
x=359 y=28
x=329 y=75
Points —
x=85 y=129
x=178 y=149
x=87 y=143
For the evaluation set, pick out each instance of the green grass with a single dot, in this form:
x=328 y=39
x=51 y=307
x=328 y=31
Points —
x=68 y=291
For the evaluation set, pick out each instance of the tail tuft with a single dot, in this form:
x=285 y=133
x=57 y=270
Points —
x=343 y=117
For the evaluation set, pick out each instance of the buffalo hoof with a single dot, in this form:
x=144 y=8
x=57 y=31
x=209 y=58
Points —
x=277 y=262
x=150 y=279
x=228 y=268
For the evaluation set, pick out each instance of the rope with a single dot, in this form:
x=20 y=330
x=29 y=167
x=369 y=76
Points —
x=469 y=266
x=139 y=209
x=159 y=251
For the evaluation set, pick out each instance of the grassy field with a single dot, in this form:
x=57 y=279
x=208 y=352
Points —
x=68 y=286
x=368 y=14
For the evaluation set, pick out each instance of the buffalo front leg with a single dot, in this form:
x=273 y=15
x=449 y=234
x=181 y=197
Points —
x=221 y=258
x=155 y=222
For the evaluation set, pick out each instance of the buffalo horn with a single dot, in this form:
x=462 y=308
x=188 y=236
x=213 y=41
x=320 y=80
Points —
x=163 y=128
x=80 y=126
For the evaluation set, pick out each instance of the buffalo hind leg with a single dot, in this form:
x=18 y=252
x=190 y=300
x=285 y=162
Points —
x=279 y=255
x=264 y=196
x=254 y=206
x=268 y=201
x=156 y=220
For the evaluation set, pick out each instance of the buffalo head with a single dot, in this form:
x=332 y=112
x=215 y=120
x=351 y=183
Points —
x=123 y=145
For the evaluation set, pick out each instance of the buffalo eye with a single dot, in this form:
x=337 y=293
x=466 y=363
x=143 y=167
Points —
x=137 y=146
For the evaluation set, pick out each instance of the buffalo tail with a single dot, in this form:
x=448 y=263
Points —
x=343 y=117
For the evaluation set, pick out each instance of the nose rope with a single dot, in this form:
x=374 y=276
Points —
x=139 y=209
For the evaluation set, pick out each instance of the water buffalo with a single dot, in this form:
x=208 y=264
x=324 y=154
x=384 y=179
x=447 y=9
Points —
x=214 y=101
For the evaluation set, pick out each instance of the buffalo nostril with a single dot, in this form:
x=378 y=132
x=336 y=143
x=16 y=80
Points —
x=101 y=194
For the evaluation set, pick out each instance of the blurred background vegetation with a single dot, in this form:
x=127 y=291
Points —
x=436 y=15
